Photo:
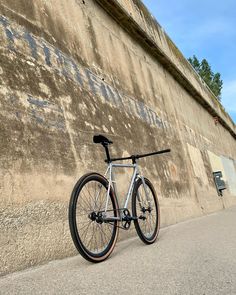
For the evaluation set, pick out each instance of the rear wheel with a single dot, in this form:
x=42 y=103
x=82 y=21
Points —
x=145 y=206
x=94 y=239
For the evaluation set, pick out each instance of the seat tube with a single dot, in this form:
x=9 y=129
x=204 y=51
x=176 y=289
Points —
x=131 y=185
x=109 y=185
x=113 y=182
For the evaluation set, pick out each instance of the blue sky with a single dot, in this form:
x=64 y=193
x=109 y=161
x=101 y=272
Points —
x=206 y=29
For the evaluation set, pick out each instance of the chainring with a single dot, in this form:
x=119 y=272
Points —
x=126 y=220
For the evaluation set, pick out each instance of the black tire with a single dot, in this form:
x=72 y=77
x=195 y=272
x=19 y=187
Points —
x=148 y=223
x=88 y=235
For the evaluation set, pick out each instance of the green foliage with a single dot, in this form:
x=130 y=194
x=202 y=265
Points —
x=204 y=70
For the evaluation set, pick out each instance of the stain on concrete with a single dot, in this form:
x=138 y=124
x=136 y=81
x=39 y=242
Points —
x=67 y=67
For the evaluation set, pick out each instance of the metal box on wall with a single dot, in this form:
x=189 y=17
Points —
x=220 y=184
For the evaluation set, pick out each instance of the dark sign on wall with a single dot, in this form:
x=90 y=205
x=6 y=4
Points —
x=220 y=184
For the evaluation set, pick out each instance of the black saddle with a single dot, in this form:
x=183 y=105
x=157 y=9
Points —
x=101 y=139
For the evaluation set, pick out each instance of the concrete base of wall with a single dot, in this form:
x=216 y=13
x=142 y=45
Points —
x=38 y=232
x=33 y=234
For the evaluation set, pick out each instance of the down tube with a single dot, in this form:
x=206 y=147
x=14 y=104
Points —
x=131 y=186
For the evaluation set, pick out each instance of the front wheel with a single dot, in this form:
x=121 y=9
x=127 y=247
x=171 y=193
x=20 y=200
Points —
x=93 y=238
x=145 y=207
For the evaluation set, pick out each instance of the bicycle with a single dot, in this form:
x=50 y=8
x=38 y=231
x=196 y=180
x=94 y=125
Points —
x=94 y=213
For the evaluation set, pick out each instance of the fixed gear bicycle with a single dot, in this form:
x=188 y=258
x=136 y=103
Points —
x=94 y=213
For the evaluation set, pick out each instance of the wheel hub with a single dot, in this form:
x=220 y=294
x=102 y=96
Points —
x=92 y=216
x=96 y=217
x=144 y=210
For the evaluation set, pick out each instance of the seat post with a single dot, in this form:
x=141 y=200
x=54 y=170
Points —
x=107 y=152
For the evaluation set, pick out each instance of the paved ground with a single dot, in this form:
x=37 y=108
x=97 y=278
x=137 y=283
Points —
x=194 y=257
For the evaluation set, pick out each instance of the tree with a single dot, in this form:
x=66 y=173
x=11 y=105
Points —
x=213 y=81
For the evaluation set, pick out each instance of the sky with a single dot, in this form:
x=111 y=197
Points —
x=207 y=29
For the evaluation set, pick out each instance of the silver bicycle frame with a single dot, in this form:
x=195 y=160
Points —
x=112 y=183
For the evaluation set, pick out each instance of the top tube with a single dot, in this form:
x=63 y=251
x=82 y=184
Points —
x=135 y=157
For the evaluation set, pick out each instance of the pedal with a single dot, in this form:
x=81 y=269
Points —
x=130 y=218
x=110 y=219
x=142 y=217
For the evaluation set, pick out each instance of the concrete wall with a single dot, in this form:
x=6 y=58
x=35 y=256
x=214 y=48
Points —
x=69 y=69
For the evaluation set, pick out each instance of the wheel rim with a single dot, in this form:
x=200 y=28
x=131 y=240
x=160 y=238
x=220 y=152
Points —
x=147 y=210
x=94 y=237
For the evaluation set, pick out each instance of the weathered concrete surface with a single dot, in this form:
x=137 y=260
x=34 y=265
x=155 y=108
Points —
x=68 y=70
x=194 y=257
x=136 y=19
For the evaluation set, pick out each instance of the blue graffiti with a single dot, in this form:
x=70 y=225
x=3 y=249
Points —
x=32 y=44
x=39 y=103
x=63 y=63
x=4 y=21
x=77 y=73
x=44 y=104
x=37 y=118
x=47 y=54
x=10 y=33
x=85 y=78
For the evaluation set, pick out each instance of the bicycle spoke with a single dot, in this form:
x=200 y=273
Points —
x=91 y=198
x=102 y=230
x=85 y=199
x=94 y=236
x=86 y=231
x=86 y=225
x=146 y=206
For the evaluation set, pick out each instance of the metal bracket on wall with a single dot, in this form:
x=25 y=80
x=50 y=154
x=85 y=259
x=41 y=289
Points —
x=220 y=184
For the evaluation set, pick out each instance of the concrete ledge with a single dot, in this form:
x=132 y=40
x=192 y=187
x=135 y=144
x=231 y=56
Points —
x=127 y=22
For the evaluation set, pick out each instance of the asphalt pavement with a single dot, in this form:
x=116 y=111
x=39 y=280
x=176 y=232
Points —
x=193 y=257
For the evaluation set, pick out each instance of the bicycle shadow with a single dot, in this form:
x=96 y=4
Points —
x=133 y=243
